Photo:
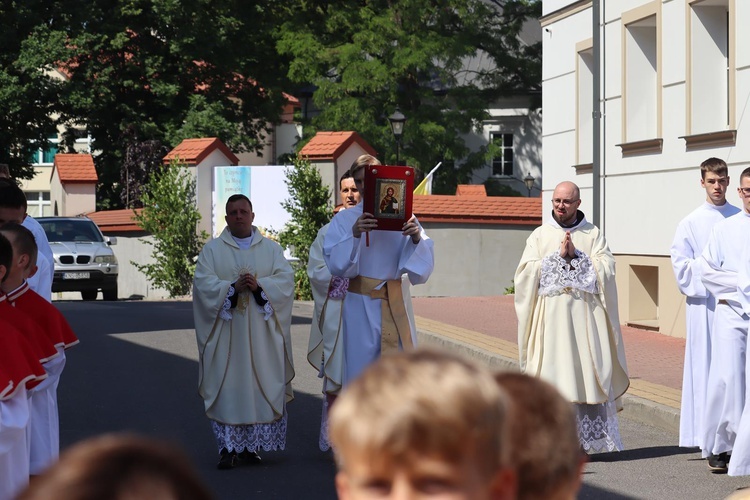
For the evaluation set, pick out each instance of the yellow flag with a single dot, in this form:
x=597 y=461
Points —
x=425 y=187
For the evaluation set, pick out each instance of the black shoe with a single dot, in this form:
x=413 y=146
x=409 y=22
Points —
x=247 y=457
x=718 y=463
x=227 y=460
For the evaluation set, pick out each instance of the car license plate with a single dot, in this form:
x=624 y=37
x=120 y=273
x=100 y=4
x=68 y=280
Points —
x=76 y=276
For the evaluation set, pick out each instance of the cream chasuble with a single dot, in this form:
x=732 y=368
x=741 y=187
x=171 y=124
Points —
x=569 y=334
x=245 y=363
x=325 y=351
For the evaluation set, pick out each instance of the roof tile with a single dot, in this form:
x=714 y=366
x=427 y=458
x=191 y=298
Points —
x=116 y=220
x=475 y=209
x=194 y=151
x=330 y=145
x=73 y=168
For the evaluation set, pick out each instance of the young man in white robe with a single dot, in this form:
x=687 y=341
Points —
x=242 y=304
x=721 y=263
x=377 y=306
x=568 y=323
x=13 y=208
x=689 y=241
x=325 y=351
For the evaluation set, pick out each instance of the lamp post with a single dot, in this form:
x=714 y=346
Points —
x=397 y=120
x=529 y=181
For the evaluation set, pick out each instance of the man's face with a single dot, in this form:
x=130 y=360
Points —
x=239 y=218
x=349 y=193
x=424 y=478
x=716 y=187
x=565 y=203
x=359 y=180
x=8 y=214
x=744 y=191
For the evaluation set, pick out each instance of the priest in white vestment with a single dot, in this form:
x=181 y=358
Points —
x=377 y=306
x=325 y=351
x=690 y=239
x=242 y=303
x=568 y=323
x=723 y=264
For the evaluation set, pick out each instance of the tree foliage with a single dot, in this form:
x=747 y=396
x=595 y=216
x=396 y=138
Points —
x=171 y=216
x=310 y=209
x=368 y=57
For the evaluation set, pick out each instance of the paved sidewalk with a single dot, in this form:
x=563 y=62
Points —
x=485 y=329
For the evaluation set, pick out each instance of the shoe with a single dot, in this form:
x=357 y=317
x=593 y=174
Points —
x=227 y=460
x=247 y=457
x=718 y=463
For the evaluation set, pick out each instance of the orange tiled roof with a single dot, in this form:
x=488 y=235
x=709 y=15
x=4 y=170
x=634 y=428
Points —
x=116 y=220
x=471 y=190
x=478 y=210
x=194 y=151
x=330 y=145
x=73 y=168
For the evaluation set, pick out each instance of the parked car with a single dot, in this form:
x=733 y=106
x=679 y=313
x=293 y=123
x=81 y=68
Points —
x=84 y=261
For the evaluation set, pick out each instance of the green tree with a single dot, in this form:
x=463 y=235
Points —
x=30 y=44
x=369 y=56
x=310 y=209
x=166 y=70
x=171 y=216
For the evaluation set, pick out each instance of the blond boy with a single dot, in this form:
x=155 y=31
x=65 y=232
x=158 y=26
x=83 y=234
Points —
x=544 y=440
x=422 y=424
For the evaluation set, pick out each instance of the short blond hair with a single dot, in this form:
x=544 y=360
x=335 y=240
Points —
x=421 y=403
x=362 y=162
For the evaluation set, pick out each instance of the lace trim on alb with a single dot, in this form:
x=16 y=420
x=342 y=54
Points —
x=598 y=428
x=559 y=277
x=253 y=437
x=226 y=313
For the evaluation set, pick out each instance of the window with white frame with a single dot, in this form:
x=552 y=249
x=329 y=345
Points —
x=39 y=204
x=502 y=159
x=710 y=72
x=641 y=80
x=585 y=105
x=45 y=156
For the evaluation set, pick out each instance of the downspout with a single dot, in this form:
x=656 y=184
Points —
x=597 y=115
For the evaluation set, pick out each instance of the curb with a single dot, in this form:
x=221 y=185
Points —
x=634 y=408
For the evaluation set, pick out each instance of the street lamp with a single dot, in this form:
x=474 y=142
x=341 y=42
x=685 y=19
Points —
x=397 y=120
x=529 y=181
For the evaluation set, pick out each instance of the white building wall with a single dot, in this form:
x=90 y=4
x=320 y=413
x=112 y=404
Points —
x=643 y=195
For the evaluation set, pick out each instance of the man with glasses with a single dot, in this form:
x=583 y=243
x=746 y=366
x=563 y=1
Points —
x=722 y=267
x=690 y=239
x=568 y=324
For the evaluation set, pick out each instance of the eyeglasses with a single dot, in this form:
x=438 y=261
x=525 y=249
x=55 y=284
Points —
x=745 y=191
x=567 y=203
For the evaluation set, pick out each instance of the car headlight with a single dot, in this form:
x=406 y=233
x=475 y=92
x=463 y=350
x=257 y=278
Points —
x=105 y=259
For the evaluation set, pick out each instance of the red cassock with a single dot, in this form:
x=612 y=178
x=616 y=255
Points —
x=29 y=328
x=51 y=321
x=19 y=362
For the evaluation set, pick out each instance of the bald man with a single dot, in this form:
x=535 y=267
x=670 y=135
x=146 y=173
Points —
x=568 y=325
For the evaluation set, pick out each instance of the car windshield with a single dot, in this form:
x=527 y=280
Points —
x=71 y=230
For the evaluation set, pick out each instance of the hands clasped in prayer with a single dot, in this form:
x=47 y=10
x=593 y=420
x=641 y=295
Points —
x=246 y=282
x=567 y=249
x=367 y=222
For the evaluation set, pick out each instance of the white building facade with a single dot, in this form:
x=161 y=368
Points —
x=674 y=80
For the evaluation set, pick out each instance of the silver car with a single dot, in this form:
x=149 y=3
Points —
x=84 y=261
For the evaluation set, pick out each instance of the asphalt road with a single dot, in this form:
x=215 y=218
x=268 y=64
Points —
x=135 y=370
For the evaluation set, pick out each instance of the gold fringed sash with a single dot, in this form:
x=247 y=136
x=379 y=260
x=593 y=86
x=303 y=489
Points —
x=394 y=320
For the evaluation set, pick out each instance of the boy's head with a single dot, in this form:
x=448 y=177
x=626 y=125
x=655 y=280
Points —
x=24 y=252
x=422 y=422
x=6 y=257
x=119 y=467
x=12 y=202
x=544 y=440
